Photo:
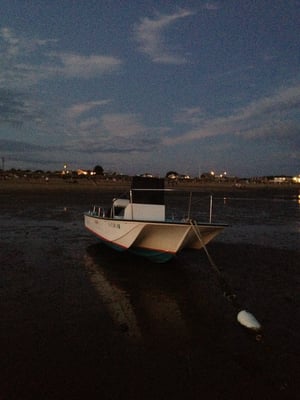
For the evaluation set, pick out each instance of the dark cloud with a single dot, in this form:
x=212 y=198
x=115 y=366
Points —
x=20 y=154
x=15 y=108
x=11 y=106
x=285 y=132
x=18 y=146
x=118 y=145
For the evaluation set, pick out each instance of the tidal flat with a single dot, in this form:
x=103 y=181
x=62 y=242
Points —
x=79 y=320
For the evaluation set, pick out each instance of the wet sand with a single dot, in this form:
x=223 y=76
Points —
x=79 y=320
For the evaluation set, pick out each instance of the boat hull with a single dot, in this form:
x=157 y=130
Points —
x=158 y=241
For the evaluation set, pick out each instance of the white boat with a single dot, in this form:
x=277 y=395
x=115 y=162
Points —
x=139 y=224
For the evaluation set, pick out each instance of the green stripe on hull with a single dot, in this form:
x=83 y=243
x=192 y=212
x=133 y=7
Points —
x=113 y=246
x=153 y=255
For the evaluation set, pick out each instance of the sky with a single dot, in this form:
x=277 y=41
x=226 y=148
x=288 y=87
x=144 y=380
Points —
x=150 y=87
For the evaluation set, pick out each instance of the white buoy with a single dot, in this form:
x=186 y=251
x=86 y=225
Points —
x=248 y=320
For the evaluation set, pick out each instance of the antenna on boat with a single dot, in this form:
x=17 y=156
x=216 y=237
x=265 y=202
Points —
x=244 y=317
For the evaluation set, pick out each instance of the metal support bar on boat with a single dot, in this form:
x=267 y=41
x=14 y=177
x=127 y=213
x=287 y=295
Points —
x=131 y=201
x=190 y=205
x=210 y=208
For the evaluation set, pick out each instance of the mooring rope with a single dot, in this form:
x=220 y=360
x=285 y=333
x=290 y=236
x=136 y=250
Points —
x=244 y=317
x=227 y=291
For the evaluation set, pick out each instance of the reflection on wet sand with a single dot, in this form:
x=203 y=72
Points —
x=134 y=308
x=115 y=299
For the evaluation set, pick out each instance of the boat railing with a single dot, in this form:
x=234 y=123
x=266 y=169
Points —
x=101 y=212
x=174 y=190
x=98 y=211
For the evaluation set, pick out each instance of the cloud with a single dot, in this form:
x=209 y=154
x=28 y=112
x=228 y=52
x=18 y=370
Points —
x=77 y=110
x=190 y=116
x=15 y=45
x=282 y=132
x=27 y=61
x=212 y=6
x=18 y=146
x=149 y=33
x=269 y=117
x=113 y=133
x=25 y=155
x=10 y=106
x=11 y=42
x=18 y=66
x=86 y=125
x=122 y=124
x=16 y=107
x=118 y=146
x=286 y=99
x=85 y=67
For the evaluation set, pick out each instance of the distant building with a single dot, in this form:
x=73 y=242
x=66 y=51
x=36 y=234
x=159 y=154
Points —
x=208 y=176
x=82 y=172
x=173 y=175
x=296 y=179
x=282 y=179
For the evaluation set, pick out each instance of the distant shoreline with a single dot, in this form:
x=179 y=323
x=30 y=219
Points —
x=93 y=185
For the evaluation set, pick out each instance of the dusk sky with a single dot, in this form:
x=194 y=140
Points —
x=151 y=86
